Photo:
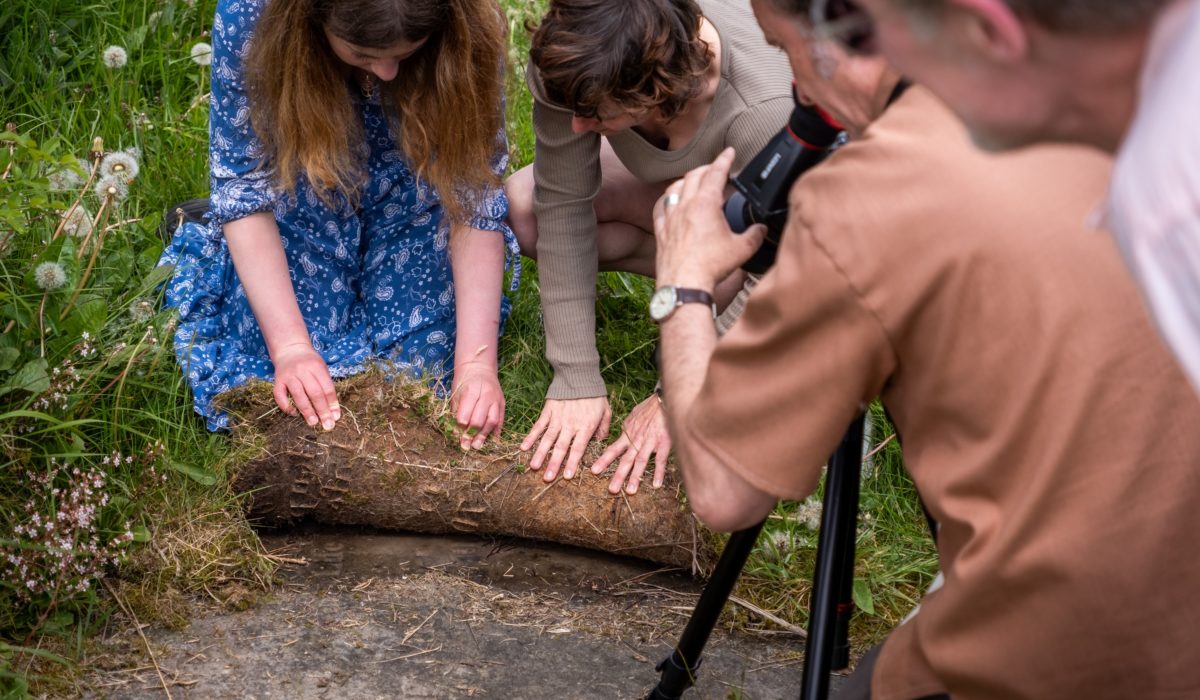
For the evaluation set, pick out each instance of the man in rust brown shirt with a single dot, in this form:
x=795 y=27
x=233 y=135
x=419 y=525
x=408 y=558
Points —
x=1047 y=428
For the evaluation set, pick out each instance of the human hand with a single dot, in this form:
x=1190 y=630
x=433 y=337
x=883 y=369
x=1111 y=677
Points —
x=695 y=246
x=477 y=402
x=644 y=433
x=301 y=373
x=566 y=426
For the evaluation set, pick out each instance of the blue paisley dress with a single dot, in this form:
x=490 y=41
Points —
x=373 y=279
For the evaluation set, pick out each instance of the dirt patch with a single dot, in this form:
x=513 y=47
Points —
x=373 y=616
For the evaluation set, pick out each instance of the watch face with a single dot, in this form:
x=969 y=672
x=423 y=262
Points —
x=662 y=303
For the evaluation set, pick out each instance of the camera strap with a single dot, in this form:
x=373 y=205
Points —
x=897 y=91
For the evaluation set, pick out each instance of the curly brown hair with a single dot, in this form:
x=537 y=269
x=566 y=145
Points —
x=444 y=104
x=638 y=54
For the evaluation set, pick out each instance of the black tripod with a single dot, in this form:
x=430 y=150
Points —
x=832 y=604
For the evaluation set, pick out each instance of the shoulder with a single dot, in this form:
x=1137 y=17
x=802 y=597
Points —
x=234 y=23
x=912 y=212
x=730 y=15
x=235 y=14
x=752 y=70
x=915 y=177
x=537 y=90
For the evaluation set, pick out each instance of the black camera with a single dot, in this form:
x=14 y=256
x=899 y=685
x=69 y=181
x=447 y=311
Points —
x=763 y=185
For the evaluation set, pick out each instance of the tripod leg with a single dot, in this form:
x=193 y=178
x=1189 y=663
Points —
x=679 y=669
x=833 y=578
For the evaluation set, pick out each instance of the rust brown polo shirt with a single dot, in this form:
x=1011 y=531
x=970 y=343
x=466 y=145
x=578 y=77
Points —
x=1046 y=426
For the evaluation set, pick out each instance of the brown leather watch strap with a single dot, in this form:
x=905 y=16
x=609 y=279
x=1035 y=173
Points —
x=687 y=295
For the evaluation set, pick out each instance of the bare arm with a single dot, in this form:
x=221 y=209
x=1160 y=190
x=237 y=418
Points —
x=477 y=263
x=720 y=498
x=300 y=372
x=696 y=249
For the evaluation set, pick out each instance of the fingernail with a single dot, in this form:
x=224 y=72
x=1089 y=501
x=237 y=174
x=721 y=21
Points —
x=312 y=420
x=328 y=424
x=478 y=442
x=337 y=415
x=631 y=489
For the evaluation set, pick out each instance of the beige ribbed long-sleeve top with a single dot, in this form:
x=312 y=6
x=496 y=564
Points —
x=752 y=102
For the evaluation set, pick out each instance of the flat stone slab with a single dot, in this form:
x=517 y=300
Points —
x=411 y=616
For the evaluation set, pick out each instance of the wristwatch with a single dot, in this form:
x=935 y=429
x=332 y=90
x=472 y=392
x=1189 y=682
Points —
x=667 y=299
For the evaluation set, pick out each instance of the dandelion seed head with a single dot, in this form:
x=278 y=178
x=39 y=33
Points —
x=782 y=541
x=50 y=276
x=112 y=187
x=202 y=53
x=78 y=222
x=119 y=164
x=64 y=180
x=142 y=310
x=115 y=57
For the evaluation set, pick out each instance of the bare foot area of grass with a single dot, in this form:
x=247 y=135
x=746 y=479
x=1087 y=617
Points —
x=365 y=615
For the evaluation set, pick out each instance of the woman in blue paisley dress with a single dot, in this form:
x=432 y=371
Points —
x=356 y=213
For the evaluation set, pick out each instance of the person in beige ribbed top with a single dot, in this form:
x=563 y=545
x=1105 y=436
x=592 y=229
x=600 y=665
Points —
x=628 y=96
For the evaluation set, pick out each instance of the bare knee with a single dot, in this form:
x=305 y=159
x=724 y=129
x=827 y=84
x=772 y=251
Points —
x=519 y=188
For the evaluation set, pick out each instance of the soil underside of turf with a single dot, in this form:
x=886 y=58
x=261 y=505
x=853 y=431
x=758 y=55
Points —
x=361 y=614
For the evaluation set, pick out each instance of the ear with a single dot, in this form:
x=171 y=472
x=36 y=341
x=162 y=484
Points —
x=991 y=28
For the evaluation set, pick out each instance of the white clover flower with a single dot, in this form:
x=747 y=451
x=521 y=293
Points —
x=115 y=57
x=202 y=53
x=78 y=222
x=50 y=276
x=119 y=164
x=113 y=188
x=64 y=180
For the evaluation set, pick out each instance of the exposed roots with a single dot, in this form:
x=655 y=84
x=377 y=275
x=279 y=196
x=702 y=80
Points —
x=392 y=463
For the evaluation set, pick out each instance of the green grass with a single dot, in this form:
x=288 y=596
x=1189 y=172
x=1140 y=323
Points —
x=130 y=396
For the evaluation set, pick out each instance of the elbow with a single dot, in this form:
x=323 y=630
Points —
x=718 y=495
x=724 y=502
x=722 y=514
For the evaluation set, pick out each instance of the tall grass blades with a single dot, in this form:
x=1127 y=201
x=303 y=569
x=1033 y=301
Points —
x=103 y=469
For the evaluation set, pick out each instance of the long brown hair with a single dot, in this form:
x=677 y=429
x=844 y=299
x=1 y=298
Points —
x=640 y=54
x=444 y=104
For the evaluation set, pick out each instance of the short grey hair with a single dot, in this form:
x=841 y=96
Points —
x=1069 y=16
